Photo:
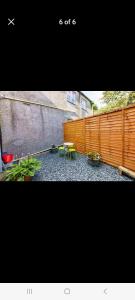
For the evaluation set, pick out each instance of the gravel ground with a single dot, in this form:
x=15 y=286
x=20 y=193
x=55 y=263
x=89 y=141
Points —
x=55 y=168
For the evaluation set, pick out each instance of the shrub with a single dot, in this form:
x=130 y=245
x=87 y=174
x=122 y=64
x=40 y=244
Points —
x=94 y=155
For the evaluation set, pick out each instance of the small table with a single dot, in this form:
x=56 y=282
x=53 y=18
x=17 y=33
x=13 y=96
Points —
x=68 y=144
x=67 y=149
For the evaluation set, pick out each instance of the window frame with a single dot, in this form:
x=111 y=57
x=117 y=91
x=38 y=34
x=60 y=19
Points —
x=71 y=97
x=84 y=101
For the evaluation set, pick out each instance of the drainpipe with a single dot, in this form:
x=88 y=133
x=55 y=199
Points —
x=92 y=109
x=80 y=111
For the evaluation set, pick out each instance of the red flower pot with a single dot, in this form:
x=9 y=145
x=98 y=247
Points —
x=7 y=158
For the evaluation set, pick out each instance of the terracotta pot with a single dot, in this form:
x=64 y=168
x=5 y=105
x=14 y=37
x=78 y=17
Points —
x=27 y=178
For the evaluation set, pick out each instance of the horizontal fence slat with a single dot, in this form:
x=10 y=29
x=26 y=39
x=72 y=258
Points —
x=112 y=134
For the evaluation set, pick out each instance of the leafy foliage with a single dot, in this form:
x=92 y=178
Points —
x=115 y=96
x=131 y=98
x=94 y=155
x=116 y=99
x=26 y=167
x=95 y=107
x=30 y=166
x=14 y=174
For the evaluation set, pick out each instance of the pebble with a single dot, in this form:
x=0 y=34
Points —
x=55 y=168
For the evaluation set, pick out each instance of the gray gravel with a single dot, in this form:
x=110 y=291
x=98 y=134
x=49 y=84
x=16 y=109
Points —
x=55 y=168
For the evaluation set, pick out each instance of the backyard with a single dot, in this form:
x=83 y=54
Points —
x=94 y=148
x=56 y=168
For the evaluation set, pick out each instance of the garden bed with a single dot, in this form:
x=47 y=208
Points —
x=55 y=168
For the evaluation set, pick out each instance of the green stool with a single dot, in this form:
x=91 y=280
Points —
x=61 y=151
x=72 y=153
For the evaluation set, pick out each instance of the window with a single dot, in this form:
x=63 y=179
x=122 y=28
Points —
x=71 y=97
x=83 y=104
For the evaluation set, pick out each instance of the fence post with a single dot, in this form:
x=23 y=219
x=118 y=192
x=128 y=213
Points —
x=99 y=134
x=84 y=135
x=123 y=135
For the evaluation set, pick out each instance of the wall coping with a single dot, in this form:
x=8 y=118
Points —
x=31 y=102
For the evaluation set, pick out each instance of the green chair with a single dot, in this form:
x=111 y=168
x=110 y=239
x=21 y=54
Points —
x=71 y=154
x=71 y=147
x=61 y=151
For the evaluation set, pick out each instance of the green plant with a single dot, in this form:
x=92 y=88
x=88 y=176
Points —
x=26 y=167
x=94 y=155
x=54 y=149
x=15 y=173
x=30 y=166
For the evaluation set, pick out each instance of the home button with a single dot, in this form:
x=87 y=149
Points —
x=67 y=291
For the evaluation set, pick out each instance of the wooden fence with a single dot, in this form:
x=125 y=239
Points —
x=111 y=134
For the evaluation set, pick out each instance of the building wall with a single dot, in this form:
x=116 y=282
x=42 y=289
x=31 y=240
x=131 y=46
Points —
x=29 y=128
x=52 y=99
x=84 y=113
x=0 y=161
x=31 y=96
x=59 y=98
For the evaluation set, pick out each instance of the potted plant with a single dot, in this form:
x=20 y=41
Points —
x=30 y=166
x=54 y=149
x=24 y=171
x=94 y=158
x=15 y=173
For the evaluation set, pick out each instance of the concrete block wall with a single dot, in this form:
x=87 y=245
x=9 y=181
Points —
x=29 y=128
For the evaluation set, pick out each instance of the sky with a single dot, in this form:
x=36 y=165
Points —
x=95 y=96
